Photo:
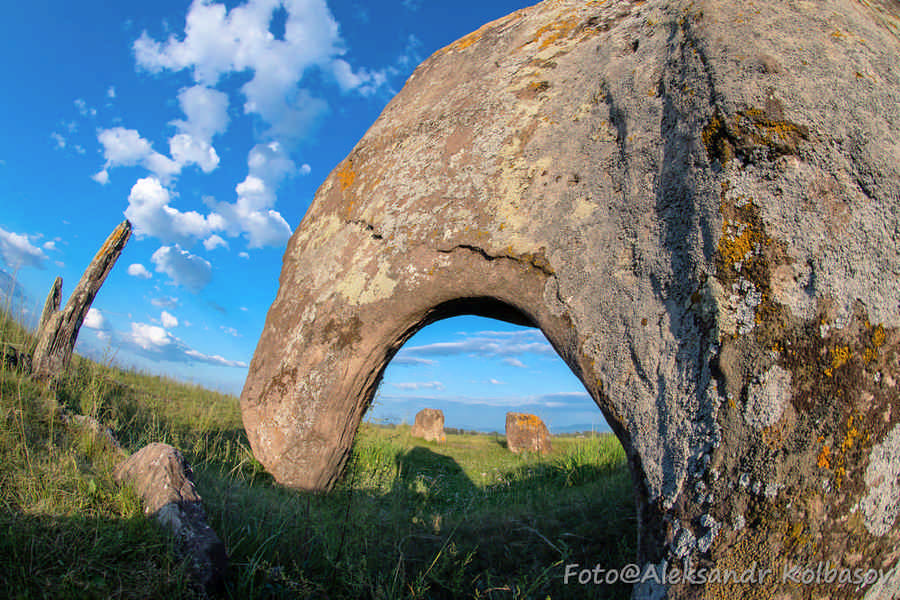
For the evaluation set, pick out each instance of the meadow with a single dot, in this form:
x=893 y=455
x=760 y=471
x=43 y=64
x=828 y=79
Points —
x=410 y=519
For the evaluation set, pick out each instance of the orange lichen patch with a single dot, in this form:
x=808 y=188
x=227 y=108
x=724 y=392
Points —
x=751 y=131
x=346 y=175
x=738 y=241
x=776 y=133
x=553 y=32
x=850 y=437
x=839 y=357
x=714 y=137
x=852 y=434
x=876 y=340
x=529 y=421
x=467 y=40
x=122 y=231
x=532 y=90
x=837 y=459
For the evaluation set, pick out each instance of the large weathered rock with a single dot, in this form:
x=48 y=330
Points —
x=429 y=425
x=165 y=482
x=697 y=202
x=527 y=433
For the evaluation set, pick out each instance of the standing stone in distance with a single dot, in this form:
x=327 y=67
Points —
x=525 y=432
x=429 y=425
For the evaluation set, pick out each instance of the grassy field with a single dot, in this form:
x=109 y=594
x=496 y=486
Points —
x=410 y=519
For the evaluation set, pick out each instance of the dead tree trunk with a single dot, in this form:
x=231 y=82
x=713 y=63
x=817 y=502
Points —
x=51 y=305
x=59 y=328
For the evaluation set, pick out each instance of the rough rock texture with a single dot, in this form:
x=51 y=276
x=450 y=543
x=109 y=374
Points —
x=698 y=203
x=164 y=480
x=526 y=432
x=429 y=425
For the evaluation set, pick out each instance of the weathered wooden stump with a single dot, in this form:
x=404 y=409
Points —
x=58 y=329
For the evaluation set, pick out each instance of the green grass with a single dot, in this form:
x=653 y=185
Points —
x=410 y=519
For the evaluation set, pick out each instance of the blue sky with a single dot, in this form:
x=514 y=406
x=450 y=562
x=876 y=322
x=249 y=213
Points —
x=210 y=126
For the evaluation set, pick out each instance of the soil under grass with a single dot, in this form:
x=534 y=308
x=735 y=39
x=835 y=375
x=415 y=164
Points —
x=410 y=519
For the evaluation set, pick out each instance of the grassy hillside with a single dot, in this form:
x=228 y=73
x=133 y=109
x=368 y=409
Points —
x=411 y=519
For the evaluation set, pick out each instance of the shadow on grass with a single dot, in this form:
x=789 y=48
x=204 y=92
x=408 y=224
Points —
x=83 y=557
x=432 y=533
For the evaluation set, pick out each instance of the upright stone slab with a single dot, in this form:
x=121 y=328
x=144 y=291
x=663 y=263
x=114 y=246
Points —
x=429 y=425
x=698 y=203
x=525 y=432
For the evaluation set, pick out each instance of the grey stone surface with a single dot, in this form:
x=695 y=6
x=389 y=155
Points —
x=685 y=197
x=881 y=504
x=164 y=481
x=768 y=397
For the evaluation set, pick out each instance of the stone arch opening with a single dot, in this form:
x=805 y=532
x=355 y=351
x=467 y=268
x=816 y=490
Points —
x=469 y=359
x=306 y=399
x=492 y=307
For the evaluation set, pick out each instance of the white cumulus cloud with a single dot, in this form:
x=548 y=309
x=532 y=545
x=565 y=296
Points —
x=139 y=270
x=17 y=251
x=94 y=319
x=206 y=110
x=218 y=42
x=253 y=213
x=168 y=320
x=214 y=241
x=123 y=147
x=150 y=213
x=126 y=148
x=156 y=343
x=184 y=268
x=187 y=149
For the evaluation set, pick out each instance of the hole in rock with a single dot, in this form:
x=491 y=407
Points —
x=466 y=514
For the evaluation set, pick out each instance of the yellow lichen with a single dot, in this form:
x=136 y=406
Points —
x=529 y=421
x=738 y=241
x=346 y=176
x=839 y=356
x=824 y=460
x=877 y=339
x=553 y=32
x=852 y=434
x=468 y=40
